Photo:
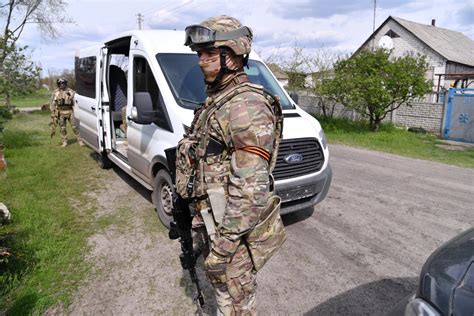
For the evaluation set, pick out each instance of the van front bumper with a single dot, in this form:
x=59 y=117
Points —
x=304 y=193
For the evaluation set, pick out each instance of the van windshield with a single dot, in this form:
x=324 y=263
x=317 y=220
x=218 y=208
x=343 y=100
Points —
x=187 y=81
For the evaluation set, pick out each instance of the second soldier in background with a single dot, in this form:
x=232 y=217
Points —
x=62 y=105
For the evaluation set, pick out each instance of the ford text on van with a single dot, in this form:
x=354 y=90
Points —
x=135 y=98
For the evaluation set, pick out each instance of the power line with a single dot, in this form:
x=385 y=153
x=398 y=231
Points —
x=168 y=7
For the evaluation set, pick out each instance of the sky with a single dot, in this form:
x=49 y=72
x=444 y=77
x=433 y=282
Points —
x=278 y=25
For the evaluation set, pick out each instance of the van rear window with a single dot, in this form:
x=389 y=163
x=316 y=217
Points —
x=187 y=81
x=85 y=76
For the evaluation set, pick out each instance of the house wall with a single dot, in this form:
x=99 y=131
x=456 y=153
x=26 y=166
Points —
x=453 y=68
x=407 y=43
x=427 y=115
x=313 y=104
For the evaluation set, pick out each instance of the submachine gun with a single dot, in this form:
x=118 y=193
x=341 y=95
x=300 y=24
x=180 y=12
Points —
x=181 y=227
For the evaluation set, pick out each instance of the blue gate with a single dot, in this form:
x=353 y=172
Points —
x=459 y=118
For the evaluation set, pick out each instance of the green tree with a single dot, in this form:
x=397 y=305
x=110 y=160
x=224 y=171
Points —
x=18 y=74
x=374 y=84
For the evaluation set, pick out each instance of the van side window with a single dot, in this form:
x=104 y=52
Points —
x=85 y=76
x=144 y=81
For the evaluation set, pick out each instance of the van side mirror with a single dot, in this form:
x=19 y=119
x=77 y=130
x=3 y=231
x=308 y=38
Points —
x=294 y=97
x=142 y=110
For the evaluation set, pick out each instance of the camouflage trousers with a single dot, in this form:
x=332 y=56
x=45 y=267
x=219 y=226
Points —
x=123 y=113
x=64 y=117
x=237 y=296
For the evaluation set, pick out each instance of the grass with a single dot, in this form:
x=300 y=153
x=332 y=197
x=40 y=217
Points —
x=47 y=237
x=36 y=99
x=394 y=140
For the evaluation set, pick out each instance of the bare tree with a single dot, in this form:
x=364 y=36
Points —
x=47 y=15
x=308 y=70
x=295 y=68
x=320 y=66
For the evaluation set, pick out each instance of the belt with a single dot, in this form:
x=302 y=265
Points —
x=64 y=108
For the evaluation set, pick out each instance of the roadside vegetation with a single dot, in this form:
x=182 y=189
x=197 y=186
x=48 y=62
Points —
x=45 y=187
x=394 y=140
x=36 y=99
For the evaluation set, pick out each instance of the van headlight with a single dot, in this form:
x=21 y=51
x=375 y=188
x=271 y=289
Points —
x=322 y=136
x=419 y=307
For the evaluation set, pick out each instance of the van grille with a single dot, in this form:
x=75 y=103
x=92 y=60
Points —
x=308 y=149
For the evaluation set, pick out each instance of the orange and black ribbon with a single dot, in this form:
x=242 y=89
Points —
x=259 y=151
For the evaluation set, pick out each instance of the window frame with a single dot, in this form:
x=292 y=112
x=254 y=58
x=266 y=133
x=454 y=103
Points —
x=86 y=87
x=159 y=106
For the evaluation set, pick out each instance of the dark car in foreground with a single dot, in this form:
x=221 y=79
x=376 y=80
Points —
x=446 y=281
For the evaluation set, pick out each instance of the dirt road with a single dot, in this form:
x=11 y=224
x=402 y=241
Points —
x=357 y=253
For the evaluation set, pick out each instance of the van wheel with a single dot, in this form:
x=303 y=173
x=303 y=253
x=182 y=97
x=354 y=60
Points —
x=103 y=161
x=162 y=196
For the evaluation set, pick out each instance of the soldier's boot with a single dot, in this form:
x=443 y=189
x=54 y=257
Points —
x=64 y=144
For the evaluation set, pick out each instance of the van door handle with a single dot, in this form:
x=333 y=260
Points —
x=93 y=108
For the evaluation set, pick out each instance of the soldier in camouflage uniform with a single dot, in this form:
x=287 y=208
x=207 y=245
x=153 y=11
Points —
x=231 y=141
x=62 y=106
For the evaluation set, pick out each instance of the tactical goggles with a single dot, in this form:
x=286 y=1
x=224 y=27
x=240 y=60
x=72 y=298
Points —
x=198 y=34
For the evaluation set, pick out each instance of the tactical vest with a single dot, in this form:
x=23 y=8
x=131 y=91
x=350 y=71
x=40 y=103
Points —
x=199 y=149
x=64 y=99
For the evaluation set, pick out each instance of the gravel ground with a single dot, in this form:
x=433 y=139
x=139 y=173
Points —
x=357 y=253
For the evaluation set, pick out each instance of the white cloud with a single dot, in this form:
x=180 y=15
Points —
x=277 y=25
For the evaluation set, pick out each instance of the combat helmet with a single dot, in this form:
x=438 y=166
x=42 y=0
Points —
x=220 y=31
x=60 y=81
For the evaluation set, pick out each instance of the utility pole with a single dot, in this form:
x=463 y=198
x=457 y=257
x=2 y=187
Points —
x=373 y=26
x=140 y=20
x=375 y=9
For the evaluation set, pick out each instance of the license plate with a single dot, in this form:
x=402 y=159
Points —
x=297 y=193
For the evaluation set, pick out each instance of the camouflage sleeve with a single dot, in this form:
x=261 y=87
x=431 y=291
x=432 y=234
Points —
x=251 y=124
x=52 y=102
x=73 y=95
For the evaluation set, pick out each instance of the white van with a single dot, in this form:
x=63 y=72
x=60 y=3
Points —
x=157 y=82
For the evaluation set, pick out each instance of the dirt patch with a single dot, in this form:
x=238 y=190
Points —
x=358 y=253
x=135 y=267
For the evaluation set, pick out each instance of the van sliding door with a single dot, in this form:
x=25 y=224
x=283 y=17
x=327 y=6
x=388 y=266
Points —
x=103 y=112
x=87 y=98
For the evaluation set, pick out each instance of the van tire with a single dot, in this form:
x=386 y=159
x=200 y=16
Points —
x=162 y=196
x=104 y=161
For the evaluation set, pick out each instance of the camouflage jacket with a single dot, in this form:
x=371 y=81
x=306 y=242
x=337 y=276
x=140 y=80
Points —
x=62 y=100
x=237 y=132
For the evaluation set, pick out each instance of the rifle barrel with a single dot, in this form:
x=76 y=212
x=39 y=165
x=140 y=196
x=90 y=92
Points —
x=195 y=280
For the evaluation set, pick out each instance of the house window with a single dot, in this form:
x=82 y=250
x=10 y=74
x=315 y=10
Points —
x=392 y=34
